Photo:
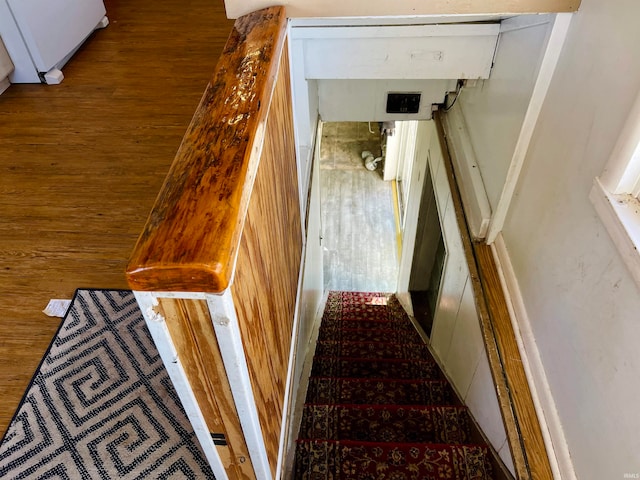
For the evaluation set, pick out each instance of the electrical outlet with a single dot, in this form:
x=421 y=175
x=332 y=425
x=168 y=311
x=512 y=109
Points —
x=403 y=102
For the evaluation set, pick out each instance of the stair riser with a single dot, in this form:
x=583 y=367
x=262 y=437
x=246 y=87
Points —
x=369 y=335
x=373 y=350
x=362 y=368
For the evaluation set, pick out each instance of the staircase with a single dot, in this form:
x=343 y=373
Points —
x=377 y=405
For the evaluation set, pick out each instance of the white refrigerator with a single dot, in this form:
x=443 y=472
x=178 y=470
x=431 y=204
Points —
x=41 y=35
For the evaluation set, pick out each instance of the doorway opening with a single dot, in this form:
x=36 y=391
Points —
x=428 y=261
x=360 y=249
x=366 y=213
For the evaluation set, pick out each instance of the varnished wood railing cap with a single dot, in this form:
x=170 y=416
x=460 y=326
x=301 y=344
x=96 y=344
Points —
x=190 y=240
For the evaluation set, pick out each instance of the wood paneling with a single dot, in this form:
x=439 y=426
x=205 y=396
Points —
x=521 y=422
x=228 y=214
x=530 y=434
x=192 y=332
x=191 y=237
x=81 y=164
x=266 y=278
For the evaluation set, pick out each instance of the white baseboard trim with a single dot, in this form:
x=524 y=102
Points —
x=291 y=383
x=475 y=201
x=552 y=432
x=299 y=393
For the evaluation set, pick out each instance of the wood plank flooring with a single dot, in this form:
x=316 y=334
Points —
x=359 y=235
x=81 y=164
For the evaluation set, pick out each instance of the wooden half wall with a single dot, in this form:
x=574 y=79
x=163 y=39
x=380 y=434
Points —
x=216 y=269
x=266 y=296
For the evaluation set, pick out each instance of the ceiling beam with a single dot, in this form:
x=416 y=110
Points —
x=375 y=8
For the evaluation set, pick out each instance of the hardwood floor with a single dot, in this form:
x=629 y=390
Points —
x=81 y=164
x=359 y=235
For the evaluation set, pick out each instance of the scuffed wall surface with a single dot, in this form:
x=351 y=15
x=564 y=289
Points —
x=580 y=298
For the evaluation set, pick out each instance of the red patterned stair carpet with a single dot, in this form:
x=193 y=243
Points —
x=377 y=406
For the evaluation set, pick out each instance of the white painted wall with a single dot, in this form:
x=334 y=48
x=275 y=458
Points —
x=407 y=51
x=366 y=100
x=499 y=104
x=344 y=73
x=581 y=301
x=456 y=337
x=304 y=100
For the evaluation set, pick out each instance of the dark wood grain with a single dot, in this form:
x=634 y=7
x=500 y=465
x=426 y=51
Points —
x=518 y=411
x=192 y=235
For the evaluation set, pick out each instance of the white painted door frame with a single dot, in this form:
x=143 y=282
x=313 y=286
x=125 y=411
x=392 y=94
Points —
x=418 y=174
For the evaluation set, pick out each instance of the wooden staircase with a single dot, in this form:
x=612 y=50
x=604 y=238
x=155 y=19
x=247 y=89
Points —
x=377 y=404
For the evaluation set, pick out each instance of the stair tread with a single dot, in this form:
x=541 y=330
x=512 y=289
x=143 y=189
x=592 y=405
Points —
x=379 y=391
x=360 y=406
x=370 y=335
x=384 y=423
x=364 y=323
x=373 y=350
x=357 y=460
x=361 y=343
x=393 y=444
x=377 y=404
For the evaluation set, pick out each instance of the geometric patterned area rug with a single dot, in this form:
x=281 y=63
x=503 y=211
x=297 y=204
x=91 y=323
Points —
x=377 y=404
x=101 y=405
